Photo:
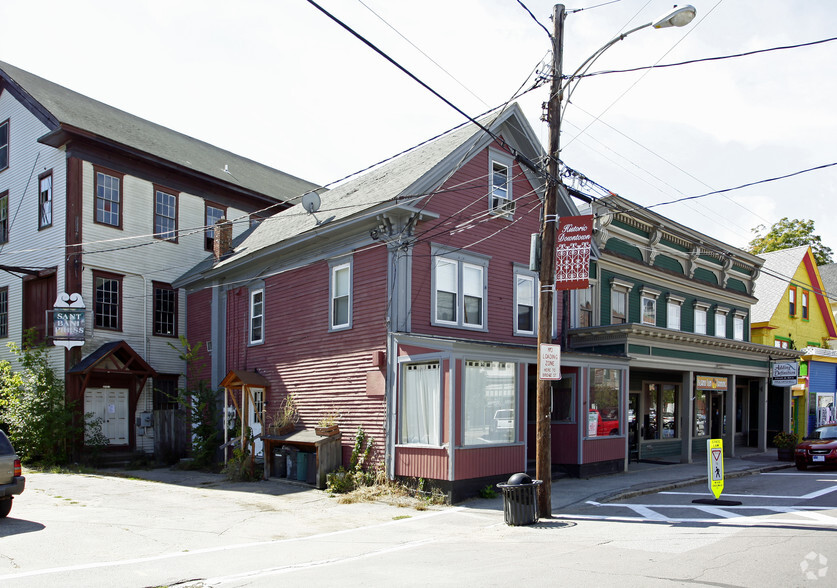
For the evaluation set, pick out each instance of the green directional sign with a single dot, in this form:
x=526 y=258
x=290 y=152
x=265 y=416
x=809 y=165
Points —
x=715 y=464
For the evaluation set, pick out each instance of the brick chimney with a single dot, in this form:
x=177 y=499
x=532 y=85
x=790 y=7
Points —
x=222 y=238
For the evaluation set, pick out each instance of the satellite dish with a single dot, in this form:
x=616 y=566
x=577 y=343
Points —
x=311 y=202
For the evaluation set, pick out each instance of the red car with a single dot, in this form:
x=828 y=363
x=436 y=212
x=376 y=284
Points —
x=818 y=448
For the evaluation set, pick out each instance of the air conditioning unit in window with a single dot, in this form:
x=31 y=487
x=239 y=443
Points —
x=503 y=206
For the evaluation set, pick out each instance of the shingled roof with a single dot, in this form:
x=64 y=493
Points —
x=776 y=273
x=65 y=111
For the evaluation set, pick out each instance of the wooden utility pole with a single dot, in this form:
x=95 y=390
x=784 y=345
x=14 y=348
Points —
x=543 y=432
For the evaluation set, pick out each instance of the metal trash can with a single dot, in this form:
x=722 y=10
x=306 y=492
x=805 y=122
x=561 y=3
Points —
x=520 y=501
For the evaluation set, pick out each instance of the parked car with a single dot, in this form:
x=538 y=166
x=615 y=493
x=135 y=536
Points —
x=504 y=418
x=11 y=480
x=818 y=448
x=607 y=423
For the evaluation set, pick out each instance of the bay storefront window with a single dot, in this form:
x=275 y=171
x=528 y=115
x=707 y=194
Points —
x=489 y=401
x=605 y=400
x=421 y=404
x=659 y=419
x=701 y=409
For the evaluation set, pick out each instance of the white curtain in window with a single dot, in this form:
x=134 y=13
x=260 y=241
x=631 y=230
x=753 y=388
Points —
x=421 y=404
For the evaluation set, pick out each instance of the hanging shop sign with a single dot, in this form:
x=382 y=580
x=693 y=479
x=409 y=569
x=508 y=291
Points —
x=718 y=383
x=68 y=320
x=572 y=252
x=784 y=373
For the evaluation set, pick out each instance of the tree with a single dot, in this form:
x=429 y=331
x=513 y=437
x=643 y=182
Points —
x=790 y=233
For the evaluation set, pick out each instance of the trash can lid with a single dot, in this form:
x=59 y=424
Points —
x=519 y=479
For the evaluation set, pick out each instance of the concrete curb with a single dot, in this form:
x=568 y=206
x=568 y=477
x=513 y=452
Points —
x=625 y=495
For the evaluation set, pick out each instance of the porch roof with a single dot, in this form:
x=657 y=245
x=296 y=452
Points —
x=124 y=354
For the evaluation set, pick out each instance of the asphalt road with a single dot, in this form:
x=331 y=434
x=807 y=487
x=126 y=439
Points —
x=84 y=530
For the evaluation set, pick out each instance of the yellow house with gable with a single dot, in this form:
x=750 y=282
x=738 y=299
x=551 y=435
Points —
x=793 y=312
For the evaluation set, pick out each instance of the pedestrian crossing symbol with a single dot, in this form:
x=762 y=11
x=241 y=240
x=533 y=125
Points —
x=715 y=463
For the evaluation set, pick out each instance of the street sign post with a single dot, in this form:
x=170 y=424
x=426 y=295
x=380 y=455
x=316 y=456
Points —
x=715 y=463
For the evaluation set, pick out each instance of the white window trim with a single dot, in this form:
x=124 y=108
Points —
x=505 y=209
x=404 y=364
x=647 y=294
x=251 y=316
x=617 y=285
x=460 y=259
x=520 y=273
x=721 y=311
x=575 y=310
x=738 y=319
x=334 y=267
x=672 y=300
x=701 y=307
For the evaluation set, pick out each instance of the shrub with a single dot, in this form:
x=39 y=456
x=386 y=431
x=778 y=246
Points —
x=785 y=440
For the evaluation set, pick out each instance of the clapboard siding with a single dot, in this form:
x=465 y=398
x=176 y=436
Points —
x=326 y=371
x=422 y=462
x=505 y=241
x=480 y=462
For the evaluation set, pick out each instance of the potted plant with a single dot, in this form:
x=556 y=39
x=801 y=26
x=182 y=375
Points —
x=284 y=419
x=327 y=425
x=785 y=443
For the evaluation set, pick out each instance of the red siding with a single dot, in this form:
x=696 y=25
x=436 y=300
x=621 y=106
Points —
x=604 y=449
x=325 y=370
x=421 y=462
x=199 y=328
x=489 y=461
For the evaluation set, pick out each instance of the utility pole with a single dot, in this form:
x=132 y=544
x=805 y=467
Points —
x=543 y=431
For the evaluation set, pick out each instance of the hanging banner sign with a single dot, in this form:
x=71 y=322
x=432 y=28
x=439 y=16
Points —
x=572 y=252
x=784 y=373
x=718 y=383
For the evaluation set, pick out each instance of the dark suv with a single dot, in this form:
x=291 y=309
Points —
x=11 y=480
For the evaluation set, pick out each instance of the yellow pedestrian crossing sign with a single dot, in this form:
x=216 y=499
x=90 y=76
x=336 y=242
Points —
x=715 y=463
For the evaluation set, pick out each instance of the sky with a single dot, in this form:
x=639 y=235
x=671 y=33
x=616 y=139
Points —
x=281 y=83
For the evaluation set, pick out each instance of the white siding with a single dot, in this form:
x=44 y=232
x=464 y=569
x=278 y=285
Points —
x=27 y=245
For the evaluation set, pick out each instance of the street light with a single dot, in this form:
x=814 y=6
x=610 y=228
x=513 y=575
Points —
x=677 y=17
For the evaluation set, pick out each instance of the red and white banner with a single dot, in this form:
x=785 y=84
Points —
x=572 y=252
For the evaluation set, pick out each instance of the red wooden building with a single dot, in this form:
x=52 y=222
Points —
x=404 y=302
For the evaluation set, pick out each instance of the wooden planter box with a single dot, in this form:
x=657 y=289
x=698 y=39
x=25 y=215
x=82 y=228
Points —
x=327 y=431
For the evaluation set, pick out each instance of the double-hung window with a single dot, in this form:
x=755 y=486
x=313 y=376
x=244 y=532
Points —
x=4 y=312
x=525 y=302
x=501 y=199
x=165 y=310
x=738 y=325
x=648 y=299
x=584 y=307
x=459 y=289
x=340 y=288
x=214 y=213
x=673 y=306
x=421 y=404
x=721 y=321
x=107 y=289
x=701 y=309
x=792 y=301
x=256 y=316
x=4 y=217
x=108 y=197
x=165 y=214
x=4 y=144
x=45 y=200
x=804 y=299
x=619 y=290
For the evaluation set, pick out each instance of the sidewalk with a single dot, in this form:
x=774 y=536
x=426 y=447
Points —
x=646 y=478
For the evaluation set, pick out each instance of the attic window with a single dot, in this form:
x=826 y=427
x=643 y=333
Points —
x=501 y=199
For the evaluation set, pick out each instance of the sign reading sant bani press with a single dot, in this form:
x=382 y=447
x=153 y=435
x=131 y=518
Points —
x=68 y=320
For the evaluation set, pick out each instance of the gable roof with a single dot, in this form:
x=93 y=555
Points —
x=773 y=281
x=828 y=273
x=400 y=182
x=68 y=113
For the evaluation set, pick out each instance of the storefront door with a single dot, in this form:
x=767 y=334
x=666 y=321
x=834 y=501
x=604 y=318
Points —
x=716 y=423
x=633 y=428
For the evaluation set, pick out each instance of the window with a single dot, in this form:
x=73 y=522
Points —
x=563 y=392
x=501 y=186
x=165 y=214
x=525 y=297
x=805 y=305
x=738 y=325
x=214 y=213
x=584 y=306
x=721 y=321
x=4 y=217
x=701 y=410
x=421 y=404
x=4 y=145
x=108 y=197
x=660 y=411
x=489 y=403
x=673 y=306
x=108 y=297
x=792 y=301
x=700 y=317
x=648 y=301
x=165 y=392
x=340 y=310
x=4 y=312
x=45 y=200
x=165 y=310
x=459 y=285
x=619 y=301
x=257 y=316
x=781 y=343
x=605 y=398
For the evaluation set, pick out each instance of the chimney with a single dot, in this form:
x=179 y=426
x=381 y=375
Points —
x=222 y=238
